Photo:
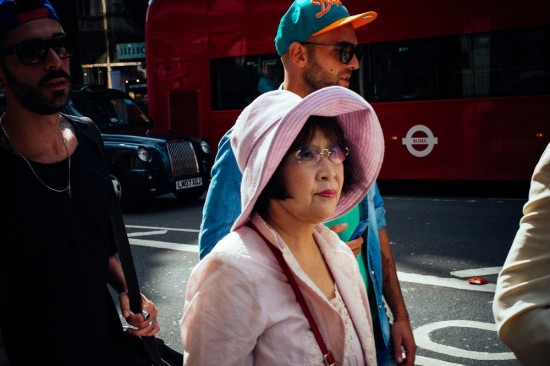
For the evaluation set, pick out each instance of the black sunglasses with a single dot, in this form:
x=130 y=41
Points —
x=35 y=51
x=347 y=50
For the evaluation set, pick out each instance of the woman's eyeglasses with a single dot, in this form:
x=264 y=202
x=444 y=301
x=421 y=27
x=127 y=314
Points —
x=347 y=50
x=35 y=51
x=311 y=155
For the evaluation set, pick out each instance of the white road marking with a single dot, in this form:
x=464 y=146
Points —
x=477 y=272
x=165 y=245
x=425 y=361
x=422 y=338
x=145 y=233
x=163 y=228
x=444 y=282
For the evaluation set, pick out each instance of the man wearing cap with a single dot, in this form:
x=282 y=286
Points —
x=57 y=244
x=317 y=44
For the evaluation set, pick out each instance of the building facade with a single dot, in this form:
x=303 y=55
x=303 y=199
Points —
x=108 y=39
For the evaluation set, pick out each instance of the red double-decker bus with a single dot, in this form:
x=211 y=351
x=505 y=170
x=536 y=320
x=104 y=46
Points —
x=461 y=88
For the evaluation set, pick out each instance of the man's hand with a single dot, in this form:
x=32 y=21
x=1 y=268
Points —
x=144 y=323
x=355 y=244
x=403 y=340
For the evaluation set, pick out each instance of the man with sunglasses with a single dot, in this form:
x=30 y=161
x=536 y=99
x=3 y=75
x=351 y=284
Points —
x=57 y=244
x=318 y=47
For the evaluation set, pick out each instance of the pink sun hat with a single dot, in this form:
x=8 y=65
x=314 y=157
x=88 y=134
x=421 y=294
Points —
x=266 y=129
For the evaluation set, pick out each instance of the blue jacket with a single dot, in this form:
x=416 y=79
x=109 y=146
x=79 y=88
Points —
x=223 y=205
x=223 y=199
x=373 y=206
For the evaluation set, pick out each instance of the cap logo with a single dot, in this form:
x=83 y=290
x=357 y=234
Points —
x=325 y=6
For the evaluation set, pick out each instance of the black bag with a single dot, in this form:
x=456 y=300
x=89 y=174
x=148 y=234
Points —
x=139 y=355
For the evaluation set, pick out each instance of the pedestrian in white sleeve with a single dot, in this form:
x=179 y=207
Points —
x=522 y=298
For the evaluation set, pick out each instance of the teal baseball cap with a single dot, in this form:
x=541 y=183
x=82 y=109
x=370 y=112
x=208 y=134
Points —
x=308 y=18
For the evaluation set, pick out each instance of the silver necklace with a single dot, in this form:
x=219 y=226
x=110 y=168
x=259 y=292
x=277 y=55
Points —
x=66 y=189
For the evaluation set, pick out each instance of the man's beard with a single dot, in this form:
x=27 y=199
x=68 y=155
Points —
x=34 y=99
x=315 y=77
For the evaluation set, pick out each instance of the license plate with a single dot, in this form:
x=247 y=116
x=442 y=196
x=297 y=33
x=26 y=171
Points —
x=188 y=183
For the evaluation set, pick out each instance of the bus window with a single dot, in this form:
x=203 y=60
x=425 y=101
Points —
x=414 y=70
x=512 y=63
x=237 y=81
x=271 y=77
x=468 y=66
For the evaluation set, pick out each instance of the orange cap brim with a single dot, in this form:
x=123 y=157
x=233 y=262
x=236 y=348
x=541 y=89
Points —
x=356 y=21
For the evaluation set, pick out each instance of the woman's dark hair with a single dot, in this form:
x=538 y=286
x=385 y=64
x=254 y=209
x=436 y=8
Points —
x=275 y=188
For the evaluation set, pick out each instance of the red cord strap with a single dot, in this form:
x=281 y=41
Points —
x=327 y=356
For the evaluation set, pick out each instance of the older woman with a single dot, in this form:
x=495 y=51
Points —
x=281 y=288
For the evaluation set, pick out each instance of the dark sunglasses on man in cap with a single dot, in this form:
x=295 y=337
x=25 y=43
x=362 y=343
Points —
x=347 y=50
x=35 y=51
